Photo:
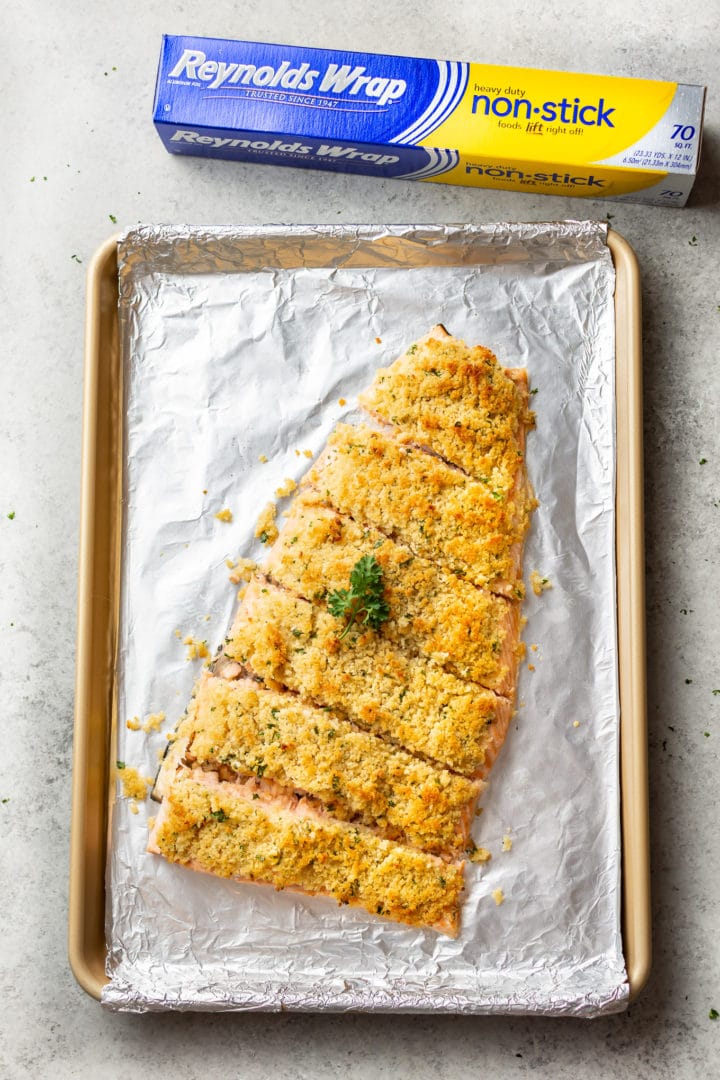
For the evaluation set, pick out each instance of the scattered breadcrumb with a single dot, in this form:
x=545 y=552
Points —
x=342 y=401
x=153 y=722
x=262 y=459
x=576 y=723
x=534 y=648
x=308 y=453
x=523 y=620
x=230 y=563
x=196 y=649
x=378 y=341
x=297 y=453
x=224 y=515
x=134 y=808
x=171 y=736
x=507 y=843
x=498 y=896
x=205 y=491
x=287 y=488
x=207 y=618
x=266 y=530
x=531 y=667
x=134 y=785
x=539 y=583
x=478 y=854
x=178 y=634
x=242 y=570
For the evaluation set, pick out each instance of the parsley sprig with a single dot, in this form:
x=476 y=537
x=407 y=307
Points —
x=363 y=603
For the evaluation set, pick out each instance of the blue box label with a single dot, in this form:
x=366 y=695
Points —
x=359 y=112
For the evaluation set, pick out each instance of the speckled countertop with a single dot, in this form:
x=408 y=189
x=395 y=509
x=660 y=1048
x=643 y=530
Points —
x=79 y=154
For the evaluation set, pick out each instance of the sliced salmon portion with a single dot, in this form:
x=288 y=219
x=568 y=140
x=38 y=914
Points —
x=459 y=402
x=249 y=831
x=289 y=642
x=476 y=530
x=470 y=631
x=241 y=728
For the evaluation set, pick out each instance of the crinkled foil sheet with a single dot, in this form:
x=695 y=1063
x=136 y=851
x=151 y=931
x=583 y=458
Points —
x=241 y=342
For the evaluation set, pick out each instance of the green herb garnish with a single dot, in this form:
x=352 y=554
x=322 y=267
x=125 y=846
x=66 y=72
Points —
x=363 y=602
x=120 y=764
x=713 y=1014
x=219 y=815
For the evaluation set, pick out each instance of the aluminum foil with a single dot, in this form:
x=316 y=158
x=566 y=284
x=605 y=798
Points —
x=241 y=344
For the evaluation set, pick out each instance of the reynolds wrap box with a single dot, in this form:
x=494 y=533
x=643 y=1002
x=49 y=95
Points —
x=549 y=132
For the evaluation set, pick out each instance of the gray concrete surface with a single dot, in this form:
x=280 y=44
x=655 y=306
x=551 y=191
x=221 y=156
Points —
x=77 y=83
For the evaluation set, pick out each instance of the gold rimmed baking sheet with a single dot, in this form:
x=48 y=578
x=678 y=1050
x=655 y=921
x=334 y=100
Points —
x=98 y=618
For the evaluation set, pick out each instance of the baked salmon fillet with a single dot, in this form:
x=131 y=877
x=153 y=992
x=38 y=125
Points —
x=459 y=402
x=338 y=745
x=289 y=642
x=241 y=729
x=476 y=530
x=470 y=631
x=250 y=830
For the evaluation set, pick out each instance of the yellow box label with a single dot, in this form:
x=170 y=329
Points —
x=551 y=115
x=580 y=181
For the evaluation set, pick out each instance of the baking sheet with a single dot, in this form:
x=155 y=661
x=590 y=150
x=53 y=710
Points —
x=240 y=343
